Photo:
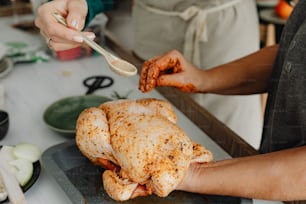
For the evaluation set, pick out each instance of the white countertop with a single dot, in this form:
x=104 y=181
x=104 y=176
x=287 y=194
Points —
x=31 y=88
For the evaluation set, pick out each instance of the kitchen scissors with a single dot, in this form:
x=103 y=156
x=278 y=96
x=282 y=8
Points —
x=97 y=82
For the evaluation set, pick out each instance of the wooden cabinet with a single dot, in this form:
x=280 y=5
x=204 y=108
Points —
x=20 y=7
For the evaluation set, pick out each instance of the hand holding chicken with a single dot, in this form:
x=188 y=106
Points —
x=140 y=145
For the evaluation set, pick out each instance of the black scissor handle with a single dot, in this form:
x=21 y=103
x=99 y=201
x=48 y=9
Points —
x=97 y=82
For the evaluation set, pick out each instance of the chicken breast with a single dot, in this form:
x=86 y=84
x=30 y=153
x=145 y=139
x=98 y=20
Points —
x=141 y=145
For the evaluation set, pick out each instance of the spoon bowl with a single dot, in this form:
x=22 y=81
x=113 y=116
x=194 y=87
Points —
x=118 y=65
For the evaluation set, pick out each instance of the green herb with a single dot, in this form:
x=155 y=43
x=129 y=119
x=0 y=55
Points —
x=116 y=95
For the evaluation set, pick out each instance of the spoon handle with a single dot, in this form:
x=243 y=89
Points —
x=97 y=47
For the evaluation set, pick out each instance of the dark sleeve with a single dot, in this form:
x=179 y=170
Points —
x=97 y=6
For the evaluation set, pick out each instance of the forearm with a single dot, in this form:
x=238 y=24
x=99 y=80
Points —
x=275 y=176
x=247 y=75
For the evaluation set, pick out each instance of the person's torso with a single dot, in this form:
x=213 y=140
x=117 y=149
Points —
x=285 y=120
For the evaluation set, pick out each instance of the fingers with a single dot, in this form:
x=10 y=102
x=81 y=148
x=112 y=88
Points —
x=170 y=69
x=56 y=46
x=62 y=37
x=155 y=72
x=143 y=76
x=59 y=44
x=77 y=14
x=141 y=191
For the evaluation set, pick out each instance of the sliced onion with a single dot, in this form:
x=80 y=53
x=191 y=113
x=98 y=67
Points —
x=24 y=170
x=27 y=151
x=3 y=193
x=7 y=152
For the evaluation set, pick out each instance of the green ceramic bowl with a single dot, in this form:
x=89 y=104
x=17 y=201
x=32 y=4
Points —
x=61 y=116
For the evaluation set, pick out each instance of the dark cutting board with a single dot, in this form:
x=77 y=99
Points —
x=82 y=181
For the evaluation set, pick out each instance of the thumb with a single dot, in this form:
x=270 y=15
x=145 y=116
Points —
x=77 y=12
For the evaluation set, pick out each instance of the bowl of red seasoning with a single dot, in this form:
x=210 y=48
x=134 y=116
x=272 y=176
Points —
x=69 y=54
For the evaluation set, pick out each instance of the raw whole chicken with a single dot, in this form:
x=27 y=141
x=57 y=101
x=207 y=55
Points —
x=140 y=145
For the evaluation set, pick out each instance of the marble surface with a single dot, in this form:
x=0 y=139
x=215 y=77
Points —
x=30 y=88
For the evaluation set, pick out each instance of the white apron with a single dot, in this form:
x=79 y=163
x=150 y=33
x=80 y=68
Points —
x=208 y=33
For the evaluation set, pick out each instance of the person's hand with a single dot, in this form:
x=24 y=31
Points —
x=193 y=176
x=58 y=37
x=170 y=69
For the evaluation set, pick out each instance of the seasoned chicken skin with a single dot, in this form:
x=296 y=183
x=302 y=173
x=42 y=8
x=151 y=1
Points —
x=140 y=144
